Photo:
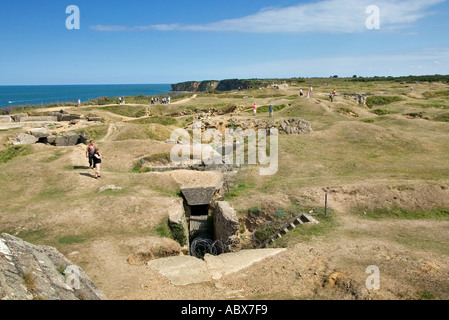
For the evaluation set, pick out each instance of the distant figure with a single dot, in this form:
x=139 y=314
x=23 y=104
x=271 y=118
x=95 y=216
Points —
x=308 y=94
x=411 y=89
x=97 y=162
x=7 y=110
x=270 y=109
x=120 y=100
x=152 y=100
x=331 y=96
x=79 y=102
x=168 y=100
x=311 y=89
x=334 y=92
x=90 y=151
x=300 y=93
x=255 y=109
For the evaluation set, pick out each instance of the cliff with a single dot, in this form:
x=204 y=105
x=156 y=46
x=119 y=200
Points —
x=223 y=85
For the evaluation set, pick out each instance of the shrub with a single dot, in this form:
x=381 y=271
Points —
x=178 y=233
x=255 y=210
x=381 y=100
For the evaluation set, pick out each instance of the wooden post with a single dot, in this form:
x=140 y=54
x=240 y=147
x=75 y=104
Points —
x=325 y=204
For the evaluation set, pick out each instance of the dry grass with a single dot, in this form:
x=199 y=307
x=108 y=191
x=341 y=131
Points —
x=48 y=196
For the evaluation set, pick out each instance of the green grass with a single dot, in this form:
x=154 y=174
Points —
x=54 y=157
x=13 y=152
x=235 y=191
x=372 y=101
x=71 y=239
x=94 y=133
x=436 y=94
x=381 y=112
x=165 y=121
x=265 y=109
x=401 y=213
x=127 y=111
x=426 y=295
x=162 y=229
x=52 y=193
x=32 y=236
x=436 y=105
x=443 y=117
x=307 y=232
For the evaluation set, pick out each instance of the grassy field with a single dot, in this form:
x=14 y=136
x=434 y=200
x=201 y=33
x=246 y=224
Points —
x=384 y=166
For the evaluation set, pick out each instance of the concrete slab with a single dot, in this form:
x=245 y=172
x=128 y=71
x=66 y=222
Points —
x=5 y=126
x=198 y=196
x=185 y=270
x=227 y=263
x=182 y=270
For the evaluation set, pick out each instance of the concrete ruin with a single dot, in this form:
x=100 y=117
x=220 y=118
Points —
x=226 y=223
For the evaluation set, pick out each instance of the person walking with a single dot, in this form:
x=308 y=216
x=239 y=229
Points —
x=270 y=109
x=300 y=93
x=255 y=108
x=308 y=94
x=79 y=103
x=90 y=151
x=97 y=162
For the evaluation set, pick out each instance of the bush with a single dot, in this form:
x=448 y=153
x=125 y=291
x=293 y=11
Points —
x=178 y=234
x=381 y=100
x=255 y=210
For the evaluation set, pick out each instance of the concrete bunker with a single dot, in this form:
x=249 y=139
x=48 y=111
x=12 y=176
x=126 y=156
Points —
x=210 y=223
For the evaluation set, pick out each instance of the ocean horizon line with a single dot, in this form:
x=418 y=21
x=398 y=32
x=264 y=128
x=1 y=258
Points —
x=13 y=95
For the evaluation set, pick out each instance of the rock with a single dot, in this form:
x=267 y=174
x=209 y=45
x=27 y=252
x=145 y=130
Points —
x=51 y=139
x=16 y=117
x=24 y=138
x=294 y=126
x=109 y=187
x=39 y=133
x=83 y=138
x=67 y=139
x=38 y=118
x=5 y=119
x=30 y=272
x=93 y=118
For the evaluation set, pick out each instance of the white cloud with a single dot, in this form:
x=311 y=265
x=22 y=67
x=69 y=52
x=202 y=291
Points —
x=328 y=16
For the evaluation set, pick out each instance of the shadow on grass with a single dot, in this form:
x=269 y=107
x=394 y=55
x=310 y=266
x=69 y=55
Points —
x=87 y=175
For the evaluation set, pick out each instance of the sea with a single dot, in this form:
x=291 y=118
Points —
x=46 y=94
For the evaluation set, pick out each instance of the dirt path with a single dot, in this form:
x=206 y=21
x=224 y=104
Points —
x=185 y=100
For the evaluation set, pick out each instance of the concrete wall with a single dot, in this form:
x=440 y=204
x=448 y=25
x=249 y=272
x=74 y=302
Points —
x=226 y=223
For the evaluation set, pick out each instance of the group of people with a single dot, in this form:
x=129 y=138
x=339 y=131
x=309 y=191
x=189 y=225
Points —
x=270 y=109
x=164 y=100
x=301 y=93
x=94 y=156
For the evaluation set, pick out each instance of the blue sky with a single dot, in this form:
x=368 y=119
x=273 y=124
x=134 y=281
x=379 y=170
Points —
x=137 y=41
